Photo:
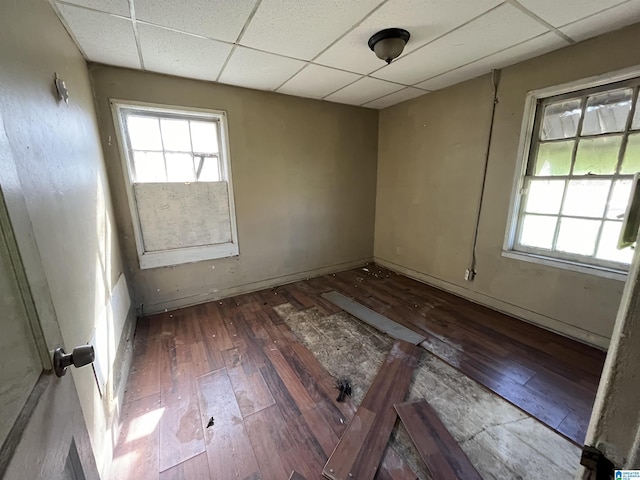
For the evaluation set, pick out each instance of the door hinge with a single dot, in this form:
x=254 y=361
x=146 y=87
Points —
x=595 y=461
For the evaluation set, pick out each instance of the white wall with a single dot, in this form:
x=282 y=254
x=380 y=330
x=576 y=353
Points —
x=59 y=198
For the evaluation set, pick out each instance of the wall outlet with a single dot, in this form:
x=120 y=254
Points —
x=469 y=275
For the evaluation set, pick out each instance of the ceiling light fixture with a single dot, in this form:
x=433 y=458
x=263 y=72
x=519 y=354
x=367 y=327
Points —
x=389 y=43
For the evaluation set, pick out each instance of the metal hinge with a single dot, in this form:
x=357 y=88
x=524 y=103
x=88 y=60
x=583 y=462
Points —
x=596 y=463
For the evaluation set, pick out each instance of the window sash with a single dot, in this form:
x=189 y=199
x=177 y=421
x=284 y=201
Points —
x=185 y=254
x=158 y=115
x=535 y=141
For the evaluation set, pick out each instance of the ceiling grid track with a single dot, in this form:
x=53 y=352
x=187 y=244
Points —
x=132 y=12
x=516 y=30
x=311 y=61
x=543 y=22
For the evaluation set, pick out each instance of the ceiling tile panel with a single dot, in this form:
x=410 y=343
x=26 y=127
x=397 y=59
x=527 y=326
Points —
x=397 y=97
x=424 y=19
x=561 y=12
x=219 y=19
x=531 y=48
x=611 y=19
x=119 y=7
x=501 y=28
x=102 y=37
x=175 y=53
x=363 y=91
x=254 y=69
x=303 y=28
x=315 y=81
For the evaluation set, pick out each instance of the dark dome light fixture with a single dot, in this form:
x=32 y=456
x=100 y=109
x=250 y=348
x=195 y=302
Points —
x=389 y=43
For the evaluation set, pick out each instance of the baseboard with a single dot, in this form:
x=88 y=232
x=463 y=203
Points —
x=173 y=304
x=118 y=383
x=520 y=313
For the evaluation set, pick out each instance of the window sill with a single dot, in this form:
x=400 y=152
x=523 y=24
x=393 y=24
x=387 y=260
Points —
x=567 y=265
x=168 y=258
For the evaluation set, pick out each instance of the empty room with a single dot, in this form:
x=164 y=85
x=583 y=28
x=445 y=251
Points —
x=319 y=239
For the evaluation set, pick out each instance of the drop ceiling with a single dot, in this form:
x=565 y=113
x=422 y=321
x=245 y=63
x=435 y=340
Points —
x=318 y=48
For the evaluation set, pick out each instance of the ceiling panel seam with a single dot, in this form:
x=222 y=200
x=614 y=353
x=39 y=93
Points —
x=226 y=62
x=84 y=7
x=132 y=12
x=246 y=24
x=350 y=30
x=388 y=94
x=283 y=83
x=68 y=29
x=344 y=86
x=541 y=21
x=595 y=14
x=486 y=56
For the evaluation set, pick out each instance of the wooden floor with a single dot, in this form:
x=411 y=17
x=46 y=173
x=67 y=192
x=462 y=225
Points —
x=225 y=390
x=549 y=376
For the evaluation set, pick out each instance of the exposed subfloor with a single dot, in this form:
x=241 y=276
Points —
x=259 y=367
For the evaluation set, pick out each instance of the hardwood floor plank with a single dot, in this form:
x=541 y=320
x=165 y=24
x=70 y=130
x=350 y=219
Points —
x=359 y=451
x=136 y=455
x=373 y=318
x=296 y=476
x=196 y=468
x=437 y=448
x=267 y=432
x=144 y=374
x=249 y=387
x=181 y=430
x=291 y=381
x=229 y=450
x=342 y=461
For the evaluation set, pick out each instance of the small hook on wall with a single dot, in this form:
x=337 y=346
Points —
x=63 y=93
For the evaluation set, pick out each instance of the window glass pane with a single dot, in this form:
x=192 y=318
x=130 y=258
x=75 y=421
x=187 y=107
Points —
x=544 y=196
x=538 y=231
x=204 y=136
x=144 y=133
x=586 y=198
x=597 y=156
x=149 y=167
x=577 y=236
x=560 y=120
x=180 y=167
x=631 y=162
x=554 y=158
x=607 y=249
x=619 y=199
x=607 y=112
x=175 y=135
x=207 y=169
x=635 y=124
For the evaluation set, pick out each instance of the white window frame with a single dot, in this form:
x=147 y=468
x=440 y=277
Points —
x=524 y=147
x=179 y=255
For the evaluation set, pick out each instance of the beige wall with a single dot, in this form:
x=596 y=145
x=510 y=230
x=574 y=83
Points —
x=304 y=175
x=54 y=181
x=431 y=154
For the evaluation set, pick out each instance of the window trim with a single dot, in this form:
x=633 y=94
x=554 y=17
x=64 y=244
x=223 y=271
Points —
x=522 y=162
x=179 y=255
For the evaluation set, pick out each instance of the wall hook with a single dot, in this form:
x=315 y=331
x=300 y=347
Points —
x=63 y=93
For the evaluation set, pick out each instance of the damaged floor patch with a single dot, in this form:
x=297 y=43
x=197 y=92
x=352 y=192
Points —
x=501 y=441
